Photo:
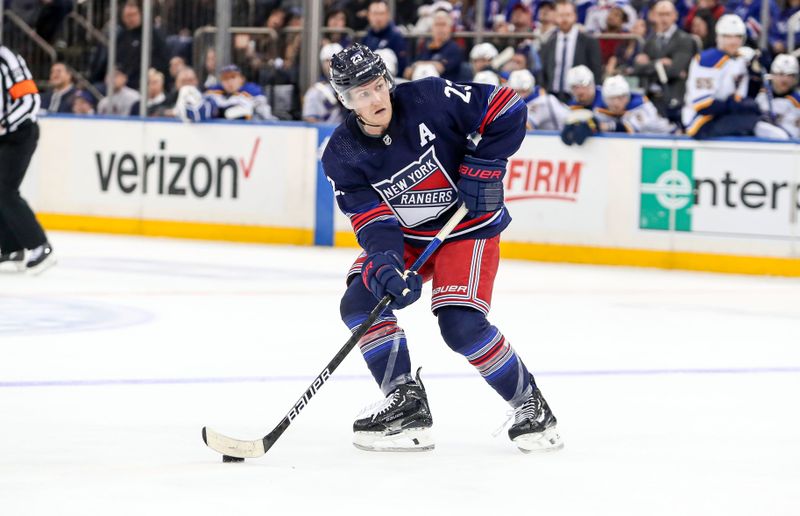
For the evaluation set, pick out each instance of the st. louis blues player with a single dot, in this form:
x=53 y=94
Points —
x=400 y=164
x=784 y=107
x=716 y=89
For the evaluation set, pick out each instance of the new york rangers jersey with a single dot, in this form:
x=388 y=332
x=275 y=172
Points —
x=401 y=186
x=713 y=75
x=640 y=116
x=786 y=109
x=545 y=112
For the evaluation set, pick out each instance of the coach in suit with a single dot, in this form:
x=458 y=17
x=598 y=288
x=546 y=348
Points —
x=671 y=48
x=565 y=48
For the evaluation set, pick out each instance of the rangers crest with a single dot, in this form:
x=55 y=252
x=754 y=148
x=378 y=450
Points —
x=420 y=192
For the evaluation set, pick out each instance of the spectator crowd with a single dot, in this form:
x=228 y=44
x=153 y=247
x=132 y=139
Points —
x=582 y=66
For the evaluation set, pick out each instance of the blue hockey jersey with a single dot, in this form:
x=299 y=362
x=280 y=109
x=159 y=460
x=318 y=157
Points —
x=401 y=187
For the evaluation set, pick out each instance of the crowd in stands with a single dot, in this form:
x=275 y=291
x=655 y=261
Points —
x=560 y=55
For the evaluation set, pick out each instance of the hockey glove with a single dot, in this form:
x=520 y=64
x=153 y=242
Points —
x=579 y=125
x=382 y=274
x=480 y=185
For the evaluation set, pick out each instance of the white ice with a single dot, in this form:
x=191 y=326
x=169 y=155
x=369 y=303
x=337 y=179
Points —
x=676 y=392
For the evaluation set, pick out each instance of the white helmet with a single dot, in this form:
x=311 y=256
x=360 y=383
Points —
x=389 y=59
x=483 y=51
x=487 y=77
x=784 y=64
x=327 y=51
x=521 y=80
x=615 y=86
x=730 y=25
x=423 y=70
x=579 y=76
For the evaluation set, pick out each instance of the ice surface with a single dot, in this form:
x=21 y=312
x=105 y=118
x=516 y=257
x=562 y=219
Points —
x=676 y=392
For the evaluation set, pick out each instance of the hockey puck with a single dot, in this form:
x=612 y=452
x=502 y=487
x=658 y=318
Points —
x=228 y=458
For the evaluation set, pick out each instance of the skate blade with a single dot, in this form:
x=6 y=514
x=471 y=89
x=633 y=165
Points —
x=49 y=262
x=546 y=441
x=414 y=440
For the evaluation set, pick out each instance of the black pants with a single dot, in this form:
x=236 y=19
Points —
x=19 y=228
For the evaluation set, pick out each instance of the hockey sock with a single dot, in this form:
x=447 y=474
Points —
x=384 y=346
x=467 y=332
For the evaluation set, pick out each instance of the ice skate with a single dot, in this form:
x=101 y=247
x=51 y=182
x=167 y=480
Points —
x=401 y=422
x=40 y=259
x=12 y=262
x=534 y=427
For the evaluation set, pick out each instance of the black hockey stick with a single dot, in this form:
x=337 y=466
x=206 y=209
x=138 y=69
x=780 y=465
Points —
x=237 y=450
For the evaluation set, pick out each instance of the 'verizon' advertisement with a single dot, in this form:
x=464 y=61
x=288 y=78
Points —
x=720 y=191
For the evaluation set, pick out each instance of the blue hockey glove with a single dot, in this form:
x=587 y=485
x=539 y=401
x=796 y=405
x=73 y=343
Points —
x=480 y=185
x=579 y=126
x=383 y=274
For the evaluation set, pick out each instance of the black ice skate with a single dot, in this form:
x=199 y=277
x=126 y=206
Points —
x=12 y=262
x=40 y=259
x=534 y=427
x=401 y=422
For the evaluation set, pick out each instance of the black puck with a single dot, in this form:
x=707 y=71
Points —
x=228 y=458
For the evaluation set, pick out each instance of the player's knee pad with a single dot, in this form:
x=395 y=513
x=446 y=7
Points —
x=356 y=304
x=461 y=326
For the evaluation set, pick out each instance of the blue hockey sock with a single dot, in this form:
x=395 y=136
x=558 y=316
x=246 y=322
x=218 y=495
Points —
x=467 y=332
x=384 y=346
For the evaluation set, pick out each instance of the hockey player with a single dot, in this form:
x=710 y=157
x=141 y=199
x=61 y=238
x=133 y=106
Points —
x=584 y=93
x=545 y=111
x=231 y=99
x=626 y=112
x=400 y=165
x=320 y=104
x=784 y=107
x=716 y=89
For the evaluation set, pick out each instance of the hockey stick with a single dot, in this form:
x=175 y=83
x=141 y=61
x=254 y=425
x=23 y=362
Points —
x=234 y=450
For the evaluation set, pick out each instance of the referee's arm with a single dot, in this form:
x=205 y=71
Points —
x=19 y=90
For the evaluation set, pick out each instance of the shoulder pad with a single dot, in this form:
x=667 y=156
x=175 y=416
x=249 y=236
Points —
x=712 y=58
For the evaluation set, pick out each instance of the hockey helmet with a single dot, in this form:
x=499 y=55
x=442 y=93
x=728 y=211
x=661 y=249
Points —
x=328 y=51
x=355 y=66
x=615 y=86
x=487 y=77
x=580 y=75
x=730 y=25
x=423 y=71
x=784 y=64
x=389 y=59
x=483 y=51
x=521 y=80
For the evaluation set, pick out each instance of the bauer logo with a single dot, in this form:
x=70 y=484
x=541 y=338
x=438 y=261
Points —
x=419 y=192
x=180 y=175
x=666 y=191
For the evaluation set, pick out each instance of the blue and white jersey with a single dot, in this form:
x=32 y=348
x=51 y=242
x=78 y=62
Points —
x=321 y=105
x=640 y=116
x=401 y=186
x=713 y=77
x=596 y=103
x=786 y=109
x=249 y=103
x=545 y=111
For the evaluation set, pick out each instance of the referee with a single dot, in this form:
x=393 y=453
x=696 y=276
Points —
x=19 y=134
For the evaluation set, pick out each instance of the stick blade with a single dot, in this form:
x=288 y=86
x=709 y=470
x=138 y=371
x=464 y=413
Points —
x=233 y=447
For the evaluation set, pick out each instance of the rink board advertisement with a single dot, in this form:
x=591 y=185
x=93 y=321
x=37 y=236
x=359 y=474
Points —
x=669 y=202
x=216 y=173
x=720 y=191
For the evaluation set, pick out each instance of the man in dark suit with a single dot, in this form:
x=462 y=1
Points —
x=567 y=47
x=664 y=63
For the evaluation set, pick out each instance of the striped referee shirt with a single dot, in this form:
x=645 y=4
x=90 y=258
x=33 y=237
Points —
x=19 y=97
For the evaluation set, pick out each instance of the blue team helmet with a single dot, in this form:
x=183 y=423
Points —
x=355 y=66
